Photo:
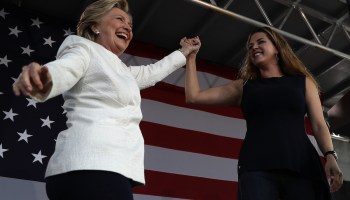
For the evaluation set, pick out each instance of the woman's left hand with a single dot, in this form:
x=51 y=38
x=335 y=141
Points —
x=334 y=174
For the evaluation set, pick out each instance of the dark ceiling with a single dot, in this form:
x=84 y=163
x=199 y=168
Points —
x=223 y=26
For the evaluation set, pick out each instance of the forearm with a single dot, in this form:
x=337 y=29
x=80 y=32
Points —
x=323 y=138
x=192 y=87
x=333 y=172
x=148 y=75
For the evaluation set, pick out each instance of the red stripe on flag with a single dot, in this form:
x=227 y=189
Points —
x=308 y=126
x=188 y=187
x=174 y=95
x=192 y=141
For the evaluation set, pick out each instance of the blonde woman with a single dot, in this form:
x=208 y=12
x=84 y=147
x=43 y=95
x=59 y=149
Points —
x=275 y=91
x=101 y=153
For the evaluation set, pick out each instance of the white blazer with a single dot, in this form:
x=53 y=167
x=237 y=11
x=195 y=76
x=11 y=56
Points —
x=102 y=100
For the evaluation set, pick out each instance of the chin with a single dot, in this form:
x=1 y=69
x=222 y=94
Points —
x=258 y=62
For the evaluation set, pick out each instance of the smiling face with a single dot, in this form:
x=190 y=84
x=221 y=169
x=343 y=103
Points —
x=262 y=52
x=115 y=31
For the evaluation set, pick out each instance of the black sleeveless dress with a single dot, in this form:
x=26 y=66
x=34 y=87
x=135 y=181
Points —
x=275 y=109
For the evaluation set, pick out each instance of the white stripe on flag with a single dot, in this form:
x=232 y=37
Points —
x=178 y=77
x=196 y=120
x=191 y=164
x=206 y=80
x=150 y=197
x=17 y=189
x=313 y=141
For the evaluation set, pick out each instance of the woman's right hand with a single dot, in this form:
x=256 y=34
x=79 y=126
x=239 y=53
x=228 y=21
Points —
x=33 y=80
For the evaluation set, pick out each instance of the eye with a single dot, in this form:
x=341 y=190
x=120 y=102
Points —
x=120 y=18
x=261 y=41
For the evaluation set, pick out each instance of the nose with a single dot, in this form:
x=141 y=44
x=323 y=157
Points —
x=254 y=46
x=127 y=27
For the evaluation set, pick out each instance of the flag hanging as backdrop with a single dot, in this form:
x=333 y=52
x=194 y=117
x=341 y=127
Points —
x=191 y=152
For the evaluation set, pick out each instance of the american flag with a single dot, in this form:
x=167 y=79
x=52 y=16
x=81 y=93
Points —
x=191 y=152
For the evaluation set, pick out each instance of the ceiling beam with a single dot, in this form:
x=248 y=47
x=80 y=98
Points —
x=260 y=24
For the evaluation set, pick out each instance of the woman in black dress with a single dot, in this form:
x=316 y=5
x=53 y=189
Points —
x=275 y=91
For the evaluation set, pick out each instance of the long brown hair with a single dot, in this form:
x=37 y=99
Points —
x=94 y=12
x=289 y=63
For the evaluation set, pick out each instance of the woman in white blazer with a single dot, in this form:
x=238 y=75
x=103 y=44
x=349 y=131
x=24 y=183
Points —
x=101 y=153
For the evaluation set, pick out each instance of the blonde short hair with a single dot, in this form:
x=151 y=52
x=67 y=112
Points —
x=94 y=12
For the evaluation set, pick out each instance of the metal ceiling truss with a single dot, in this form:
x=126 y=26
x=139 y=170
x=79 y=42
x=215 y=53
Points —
x=304 y=11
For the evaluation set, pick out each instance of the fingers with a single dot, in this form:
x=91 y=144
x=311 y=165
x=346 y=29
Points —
x=334 y=175
x=336 y=181
x=190 y=46
x=195 y=41
x=190 y=41
x=184 y=42
x=28 y=80
x=16 y=90
x=35 y=74
x=22 y=84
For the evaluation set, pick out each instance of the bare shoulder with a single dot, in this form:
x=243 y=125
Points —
x=235 y=89
x=237 y=83
x=311 y=93
x=309 y=81
x=310 y=85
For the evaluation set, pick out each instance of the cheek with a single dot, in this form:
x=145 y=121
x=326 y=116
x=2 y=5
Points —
x=251 y=59
x=275 y=50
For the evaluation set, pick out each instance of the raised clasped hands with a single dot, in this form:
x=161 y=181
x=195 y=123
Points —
x=190 y=45
x=33 y=80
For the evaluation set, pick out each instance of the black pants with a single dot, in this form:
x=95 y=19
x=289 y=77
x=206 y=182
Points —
x=89 y=185
x=273 y=185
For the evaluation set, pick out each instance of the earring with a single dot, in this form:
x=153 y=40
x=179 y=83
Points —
x=97 y=32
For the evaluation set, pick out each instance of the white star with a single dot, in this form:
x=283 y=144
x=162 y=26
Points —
x=48 y=41
x=36 y=22
x=2 y=151
x=31 y=102
x=47 y=122
x=64 y=111
x=27 y=50
x=38 y=157
x=5 y=61
x=14 y=31
x=3 y=13
x=24 y=136
x=67 y=32
x=9 y=115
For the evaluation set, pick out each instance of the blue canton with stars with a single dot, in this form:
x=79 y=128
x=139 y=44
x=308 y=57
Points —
x=28 y=129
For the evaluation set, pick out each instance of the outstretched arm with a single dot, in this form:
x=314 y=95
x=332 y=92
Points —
x=34 y=80
x=222 y=95
x=149 y=75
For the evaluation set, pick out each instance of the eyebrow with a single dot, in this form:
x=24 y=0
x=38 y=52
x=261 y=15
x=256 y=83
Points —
x=256 y=40
x=130 y=19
